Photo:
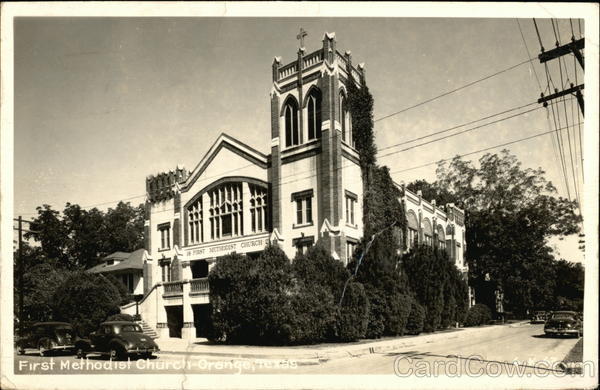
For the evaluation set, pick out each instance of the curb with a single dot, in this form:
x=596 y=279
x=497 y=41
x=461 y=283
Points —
x=318 y=357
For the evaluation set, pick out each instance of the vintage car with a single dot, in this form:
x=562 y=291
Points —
x=564 y=323
x=539 y=317
x=117 y=339
x=47 y=337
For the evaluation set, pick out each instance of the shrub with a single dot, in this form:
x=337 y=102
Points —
x=437 y=285
x=416 y=319
x=353 y=316
x=318 y=268
x=396 y=315
x=85 y=300
x=478 y=315
x=314 y=315
x=251 y=299
x=120 y=317
x=126 y=297
x=377 y=313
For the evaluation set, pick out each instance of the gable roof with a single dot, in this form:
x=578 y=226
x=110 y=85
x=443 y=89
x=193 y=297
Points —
x=232 y=144
x=131 y=261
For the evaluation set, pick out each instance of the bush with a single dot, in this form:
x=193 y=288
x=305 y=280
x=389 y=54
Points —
x=478 y=315
x=120 y=317
x=396 y=316
x=353 y=316
x=85 y=300
x=416 y=319
x=251 y=299
x=314 y=315
x=377 y=313
x=438 y=285
x=269 y=301
x=126 y=297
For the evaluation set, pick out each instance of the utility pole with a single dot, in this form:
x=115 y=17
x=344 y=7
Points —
x=575 y=47
x=20 y=267
x=20 y=270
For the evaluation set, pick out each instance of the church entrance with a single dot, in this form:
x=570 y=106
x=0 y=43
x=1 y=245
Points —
x=174 y=320
x=201 y=319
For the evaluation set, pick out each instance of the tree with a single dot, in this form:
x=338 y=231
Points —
x=40 y=282
x=78 y=238
x=431 y=191
x=569 y=286
x=123 y=228
x=85 y=239
x=510 y=213
x=85 y=300
x=51 y=233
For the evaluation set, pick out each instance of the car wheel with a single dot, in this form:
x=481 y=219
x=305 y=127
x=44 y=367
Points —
x=80 y=352
x=116 y=353
x=43 y=350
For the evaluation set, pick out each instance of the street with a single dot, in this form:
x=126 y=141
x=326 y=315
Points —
x=490 y=351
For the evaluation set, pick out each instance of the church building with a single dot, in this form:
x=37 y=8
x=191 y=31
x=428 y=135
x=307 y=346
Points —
x=237 y=199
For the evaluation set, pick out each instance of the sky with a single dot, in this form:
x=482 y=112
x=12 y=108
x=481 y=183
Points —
x=100 y=103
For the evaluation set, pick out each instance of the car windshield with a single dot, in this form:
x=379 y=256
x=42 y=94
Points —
x=64 y=330
x=562 y=316
x=127 y=328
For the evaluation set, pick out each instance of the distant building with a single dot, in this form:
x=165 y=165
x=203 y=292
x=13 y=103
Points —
x=441 y=227
x=237 y=199
x=126 y=267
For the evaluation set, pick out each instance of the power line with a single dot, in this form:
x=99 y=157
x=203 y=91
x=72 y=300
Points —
x=461 y=132
x=554 y=146
x=456 y=127
x=454 y=90
x=558 y=137
x=478 y=151
x=529 y=56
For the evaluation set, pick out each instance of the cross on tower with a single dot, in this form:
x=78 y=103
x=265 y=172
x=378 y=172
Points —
x=301 y=36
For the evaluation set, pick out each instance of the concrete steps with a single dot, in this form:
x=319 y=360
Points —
x=147 y=329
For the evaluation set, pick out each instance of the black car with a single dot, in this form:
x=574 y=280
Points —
x=117 y=339
x=562 y=323
x=47 y=337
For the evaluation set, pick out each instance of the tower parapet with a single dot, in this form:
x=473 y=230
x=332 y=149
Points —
x=163 y=186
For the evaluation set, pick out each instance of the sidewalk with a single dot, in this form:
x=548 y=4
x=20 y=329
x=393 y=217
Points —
x=310 y=354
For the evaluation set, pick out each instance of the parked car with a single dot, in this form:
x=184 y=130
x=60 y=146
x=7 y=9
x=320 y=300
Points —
x=539 y=317
x=47 y=337
x=564 y=323
x=117 y=339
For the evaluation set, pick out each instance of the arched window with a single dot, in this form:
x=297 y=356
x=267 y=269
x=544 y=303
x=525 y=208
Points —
x=345 y=119
x=412 y=225
x=195 y=228
x=226 y=211
x=290 y=112
x=258 y=208
x=441 y=236
x=314 y=114
x=427 y=232
x=343 y=114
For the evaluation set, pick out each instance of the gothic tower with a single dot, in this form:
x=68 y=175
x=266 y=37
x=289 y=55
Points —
x=316 y=187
